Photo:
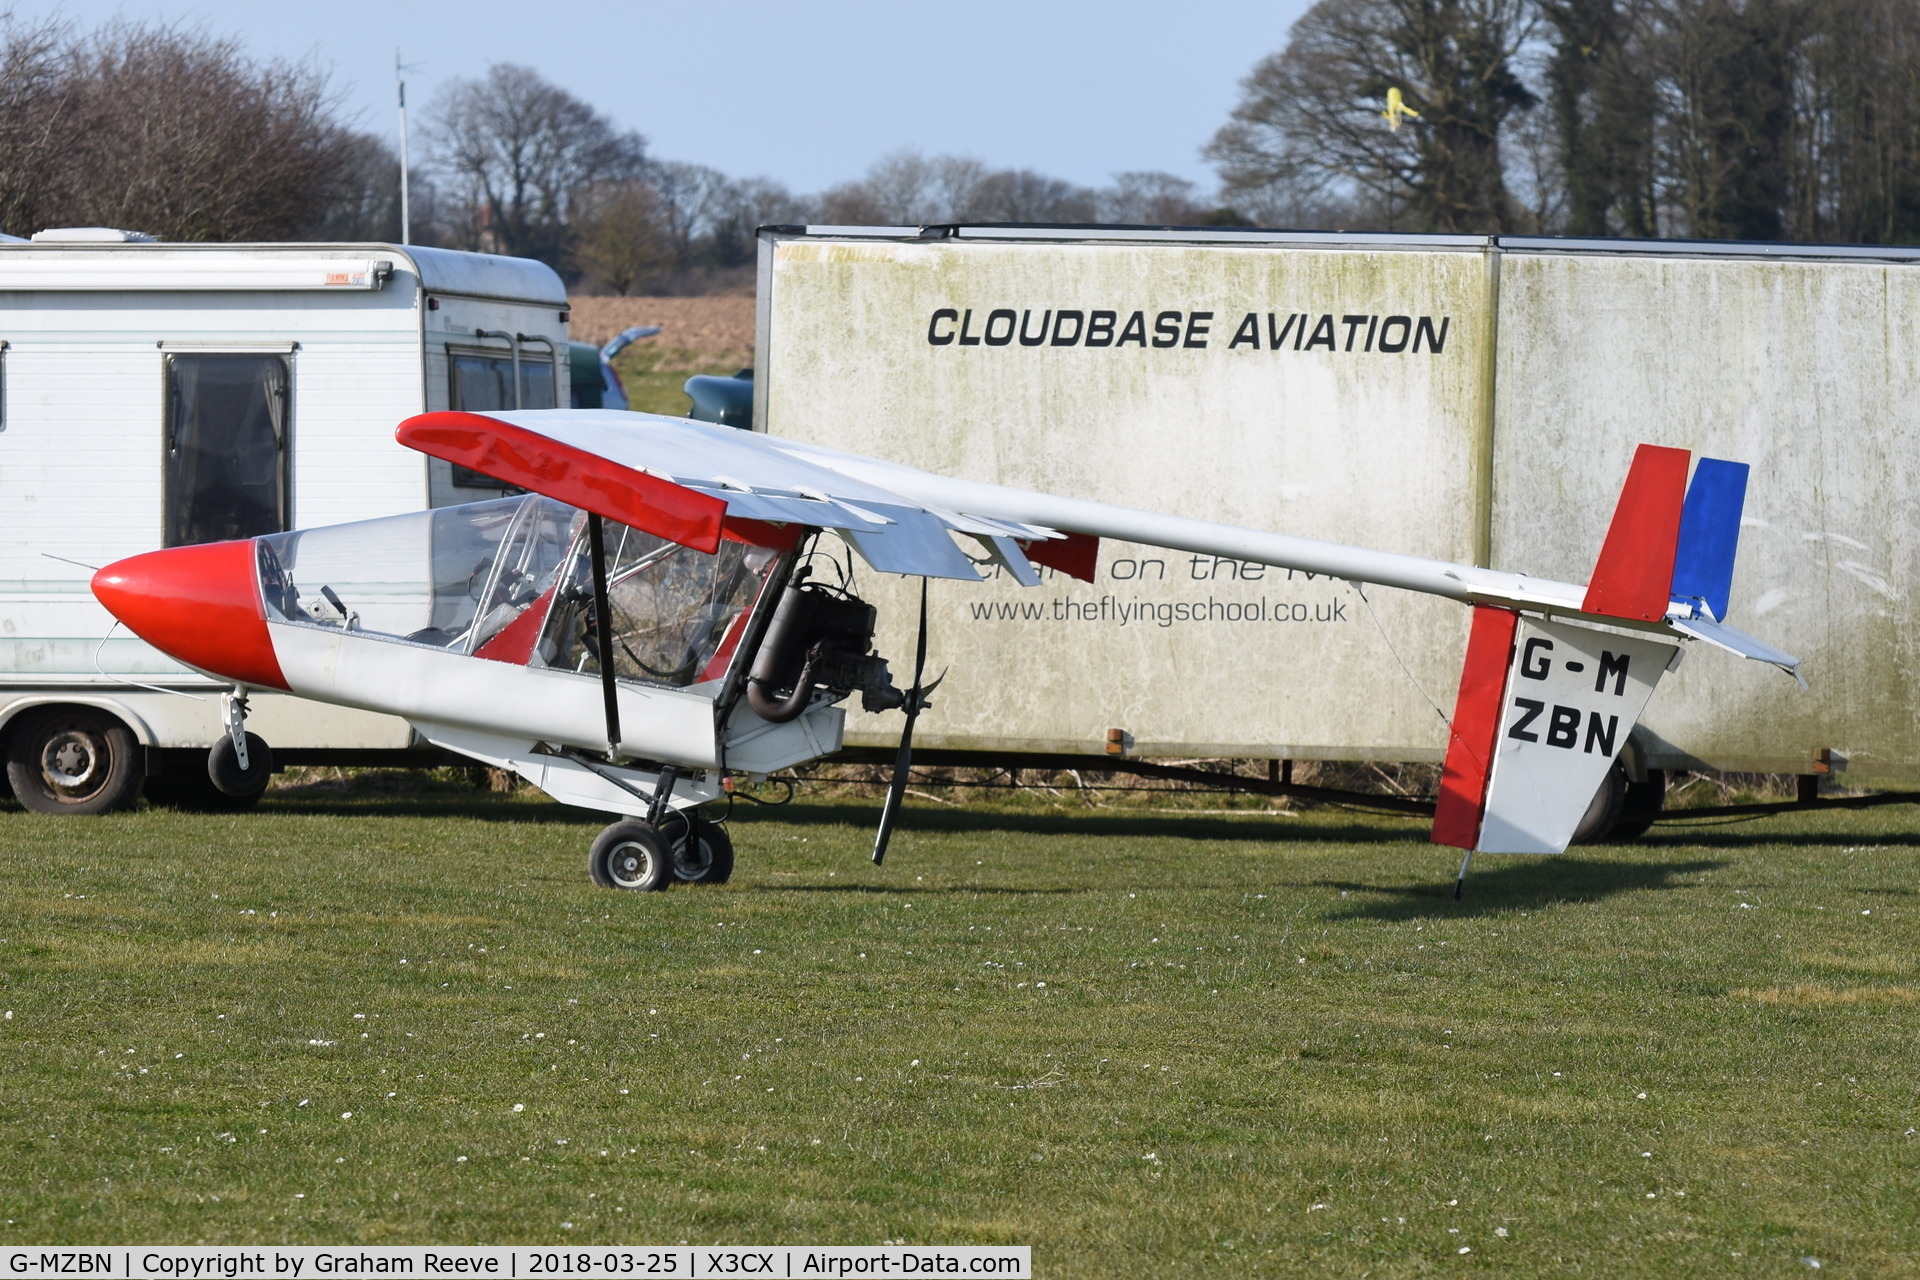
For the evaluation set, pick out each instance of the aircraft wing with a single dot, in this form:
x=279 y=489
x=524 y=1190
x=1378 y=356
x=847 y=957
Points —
x=694 y=483
x=686 y=480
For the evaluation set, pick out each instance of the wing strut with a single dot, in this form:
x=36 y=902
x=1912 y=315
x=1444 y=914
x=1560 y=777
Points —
x=603 y=633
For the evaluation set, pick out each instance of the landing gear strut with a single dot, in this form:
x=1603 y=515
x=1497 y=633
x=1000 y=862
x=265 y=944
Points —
x=240 y=764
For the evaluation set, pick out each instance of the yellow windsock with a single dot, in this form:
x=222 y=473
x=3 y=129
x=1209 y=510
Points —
x=1397 y=109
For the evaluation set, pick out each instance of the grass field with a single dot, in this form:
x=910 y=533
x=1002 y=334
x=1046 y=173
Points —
x=1146 y=1044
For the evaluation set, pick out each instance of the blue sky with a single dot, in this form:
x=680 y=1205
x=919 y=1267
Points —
x=807 y=94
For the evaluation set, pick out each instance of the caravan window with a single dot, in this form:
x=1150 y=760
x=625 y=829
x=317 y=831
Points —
x=226 y=447
x=482 y=382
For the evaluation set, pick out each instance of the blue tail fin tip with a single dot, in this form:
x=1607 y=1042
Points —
x=1710 y=534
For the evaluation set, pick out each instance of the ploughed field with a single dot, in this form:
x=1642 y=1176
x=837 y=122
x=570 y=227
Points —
x=1232 y=1044
x=712 y=334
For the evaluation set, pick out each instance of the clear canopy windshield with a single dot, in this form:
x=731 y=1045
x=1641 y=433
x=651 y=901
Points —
x=460 y=578
x=678 y=614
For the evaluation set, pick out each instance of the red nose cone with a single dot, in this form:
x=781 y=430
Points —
x=198 y=604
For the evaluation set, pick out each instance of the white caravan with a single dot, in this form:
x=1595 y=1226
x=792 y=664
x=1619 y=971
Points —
x=156 y=395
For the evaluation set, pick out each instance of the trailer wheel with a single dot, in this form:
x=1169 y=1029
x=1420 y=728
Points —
x=1596 y=825
x=226 y=775
x=630 y=855
x=73 y=760
x=1641 y=808
x=705 y=856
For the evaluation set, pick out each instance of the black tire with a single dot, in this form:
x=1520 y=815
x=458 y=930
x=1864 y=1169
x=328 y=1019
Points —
x=705 y=854
x=190 y=790
x=229 y=779
x=74 y=760
x=1603 y=811
x=1641 y=807
x=630 y=855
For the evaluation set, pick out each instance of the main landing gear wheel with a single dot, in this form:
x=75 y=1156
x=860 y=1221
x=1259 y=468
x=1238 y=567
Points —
x=705 y=855
x=224 y=771
x=1642 y=806
x=631 y=855
x=73 y=760
x=1604 y=810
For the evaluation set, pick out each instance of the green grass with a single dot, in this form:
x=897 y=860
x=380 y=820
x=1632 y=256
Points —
x=1263 y=1046
x=654 y=376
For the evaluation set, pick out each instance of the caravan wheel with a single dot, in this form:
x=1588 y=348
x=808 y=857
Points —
x=73 y=760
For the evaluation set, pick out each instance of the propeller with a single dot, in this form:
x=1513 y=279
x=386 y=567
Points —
x=915 y=700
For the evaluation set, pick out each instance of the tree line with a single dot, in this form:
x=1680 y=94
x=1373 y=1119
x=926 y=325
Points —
x=171 y=131
x=1716 y=119
x=1750 y=119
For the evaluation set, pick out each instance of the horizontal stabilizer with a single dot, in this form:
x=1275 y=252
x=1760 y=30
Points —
x=1734 y=640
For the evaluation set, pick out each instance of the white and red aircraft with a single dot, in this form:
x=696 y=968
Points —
x=641 y=624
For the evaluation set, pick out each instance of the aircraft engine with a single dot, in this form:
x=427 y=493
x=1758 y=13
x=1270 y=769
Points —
x=820 y=637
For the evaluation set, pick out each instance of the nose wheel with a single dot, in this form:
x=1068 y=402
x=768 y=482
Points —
x=239 y=765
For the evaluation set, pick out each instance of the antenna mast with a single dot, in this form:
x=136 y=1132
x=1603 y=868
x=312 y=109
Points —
x=406 y=212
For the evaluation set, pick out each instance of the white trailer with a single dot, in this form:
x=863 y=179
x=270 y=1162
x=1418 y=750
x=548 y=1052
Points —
x=1461 y=397
x=161 y=394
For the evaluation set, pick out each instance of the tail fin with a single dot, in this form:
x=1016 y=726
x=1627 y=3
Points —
x=1710 y=536
x=1670 y=540
x=1634 y=575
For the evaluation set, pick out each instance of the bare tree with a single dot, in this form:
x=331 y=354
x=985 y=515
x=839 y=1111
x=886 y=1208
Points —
x=1310 y=124
x=907 y=189
x=691 y=197
x=179 y=134
x=1852 y=162
x=1603 y=110
x=1725 y=74
x=1150 y=198
x=621 y=233
x=1021 y=195
x=364 y=203
x=742 y=208
x=36 y=117
x=515 y=148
